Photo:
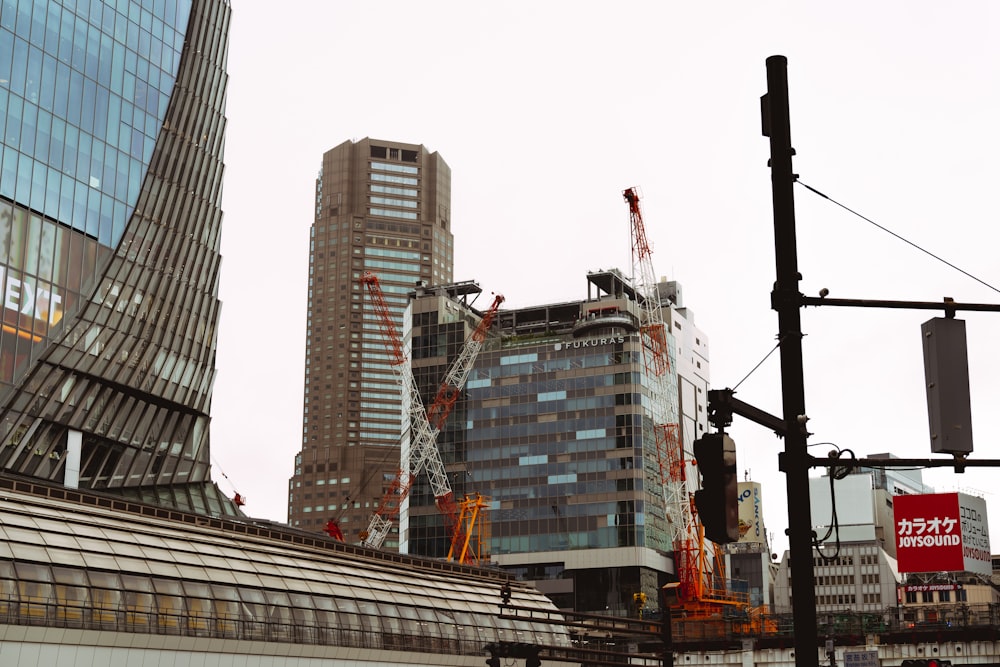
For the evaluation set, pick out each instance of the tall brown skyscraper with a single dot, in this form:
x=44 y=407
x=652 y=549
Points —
x=384 y=207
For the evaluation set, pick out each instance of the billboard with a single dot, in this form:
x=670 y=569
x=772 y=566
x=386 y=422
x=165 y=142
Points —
x=751 y=516
x=942 y=532
x=43 y=266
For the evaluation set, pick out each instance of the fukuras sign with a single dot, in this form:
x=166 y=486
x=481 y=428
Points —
x=589 y=342
x=942 y=532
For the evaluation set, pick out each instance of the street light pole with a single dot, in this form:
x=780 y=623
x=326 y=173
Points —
x=785 y=300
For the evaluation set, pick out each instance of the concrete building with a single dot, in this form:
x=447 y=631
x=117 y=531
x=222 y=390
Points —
x=555 y=431
x=854 y=571
x=385 y=207
x=749 y=561
x=857 y=571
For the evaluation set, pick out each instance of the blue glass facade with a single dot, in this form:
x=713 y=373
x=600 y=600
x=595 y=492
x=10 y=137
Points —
x=558 y=438
x=555 y=428
x=85 y=93
x=111 y=136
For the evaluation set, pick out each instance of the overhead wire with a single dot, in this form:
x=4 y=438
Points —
x=759 y=363
x=894 y=234
x=887 y=231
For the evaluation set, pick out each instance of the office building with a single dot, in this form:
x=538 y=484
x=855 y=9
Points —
x=116 y=547
x=748 y=561
x=440 y=320
x=384 y=207
x=112 y=122
x=555 y=431
x=856 y=569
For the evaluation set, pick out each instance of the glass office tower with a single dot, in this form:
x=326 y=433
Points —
x=111 y=142
x=555 y=429
x=441 y=320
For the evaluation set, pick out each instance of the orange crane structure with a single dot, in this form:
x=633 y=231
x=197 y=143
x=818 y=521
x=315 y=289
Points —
x=423 y=453
x=699 y=591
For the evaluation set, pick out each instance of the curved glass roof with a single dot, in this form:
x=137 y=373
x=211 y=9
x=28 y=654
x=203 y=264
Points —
x=244 y=580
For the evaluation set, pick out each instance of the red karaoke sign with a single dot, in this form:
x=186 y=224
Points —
x=940 y=532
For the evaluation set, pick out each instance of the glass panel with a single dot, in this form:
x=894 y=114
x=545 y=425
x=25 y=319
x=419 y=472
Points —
x=8 y=594
x=100 y=561
x=252 y=595
x=199 y=616
x=168 y=586
x=65 y=575
x=197 y=589
x=170 y=613
x=227 y=617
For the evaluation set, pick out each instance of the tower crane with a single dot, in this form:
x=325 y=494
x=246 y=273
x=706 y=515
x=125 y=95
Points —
x=699 y=592
x=663 y=390
x=424 y=453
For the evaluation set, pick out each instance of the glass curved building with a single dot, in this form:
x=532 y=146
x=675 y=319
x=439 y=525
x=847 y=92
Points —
x=114 y=582
x=111 y=143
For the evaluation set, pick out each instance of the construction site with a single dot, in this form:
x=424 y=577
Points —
x=569 y=446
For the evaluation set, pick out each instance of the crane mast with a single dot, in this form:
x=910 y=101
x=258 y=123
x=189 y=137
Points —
x=423 y=454
x=663 y=390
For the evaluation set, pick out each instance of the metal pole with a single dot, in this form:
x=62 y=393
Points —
x=785 y=300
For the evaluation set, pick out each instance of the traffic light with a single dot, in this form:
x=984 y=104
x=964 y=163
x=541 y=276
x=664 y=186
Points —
x=933 y=662
x=718 y=499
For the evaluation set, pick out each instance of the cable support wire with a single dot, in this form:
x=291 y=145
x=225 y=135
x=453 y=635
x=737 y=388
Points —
x=759 y=363
x=894 y=234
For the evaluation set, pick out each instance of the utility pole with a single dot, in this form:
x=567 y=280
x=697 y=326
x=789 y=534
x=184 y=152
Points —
x=785 y=299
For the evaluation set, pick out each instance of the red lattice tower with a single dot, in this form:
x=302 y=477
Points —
x=662 y=385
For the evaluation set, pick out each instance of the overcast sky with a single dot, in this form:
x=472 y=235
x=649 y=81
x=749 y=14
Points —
x=546 y=111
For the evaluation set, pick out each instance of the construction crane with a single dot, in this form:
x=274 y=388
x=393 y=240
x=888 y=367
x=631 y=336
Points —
x=423 y=454
x=663 y=391
x=699 y=577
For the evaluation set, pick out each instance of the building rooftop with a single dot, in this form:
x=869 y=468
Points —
x=76 y=559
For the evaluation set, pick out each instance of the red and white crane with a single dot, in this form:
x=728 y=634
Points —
x=663 y=405
x=423 y=452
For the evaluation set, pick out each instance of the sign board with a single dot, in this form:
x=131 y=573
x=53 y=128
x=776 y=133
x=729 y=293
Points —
x=751 y=520
x=861 y=659
x=942 y=532
x=926 y=588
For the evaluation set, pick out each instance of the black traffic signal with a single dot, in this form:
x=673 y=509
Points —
x=933 y=662
x=718 y=499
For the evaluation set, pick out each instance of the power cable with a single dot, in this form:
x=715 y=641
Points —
x=892 y=233
x=759 y=363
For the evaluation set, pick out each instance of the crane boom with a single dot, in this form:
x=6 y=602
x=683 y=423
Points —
x=424 y=454
x=668 y=439
x=454 y=380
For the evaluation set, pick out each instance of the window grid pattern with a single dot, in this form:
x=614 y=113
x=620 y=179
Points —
x=133 y=366
x=109 y=568
x=573 y=426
